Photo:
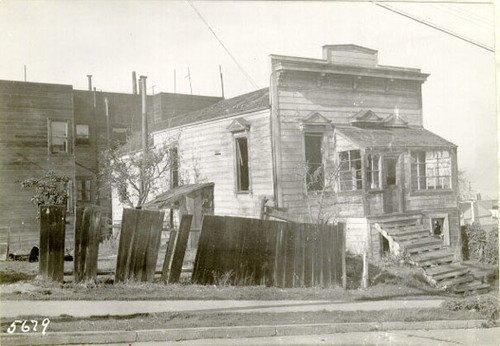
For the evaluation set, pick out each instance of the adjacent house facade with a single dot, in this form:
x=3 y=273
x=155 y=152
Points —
x=332 y=139
x=54 y=127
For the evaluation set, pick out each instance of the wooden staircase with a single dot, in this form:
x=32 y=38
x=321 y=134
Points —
x=425 y=250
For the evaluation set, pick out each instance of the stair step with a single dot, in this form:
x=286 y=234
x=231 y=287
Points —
x=402 y=236
x=423 y=249
x=456 y=281
x=433 y=257
x=445 y=268
x=415 y=243
x=472 y=286
x=453 y=274
x=437 y=261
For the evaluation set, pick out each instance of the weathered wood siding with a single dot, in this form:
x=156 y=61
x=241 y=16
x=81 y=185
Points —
x=207 y=154
x=24 y=112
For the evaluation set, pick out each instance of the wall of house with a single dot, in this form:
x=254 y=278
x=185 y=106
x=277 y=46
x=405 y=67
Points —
x=207 y=154
x=24 y=112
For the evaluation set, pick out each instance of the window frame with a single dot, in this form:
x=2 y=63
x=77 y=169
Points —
x=322 y=165
x=236 y=137
x=371 y=173
x=78 y=184
x=417 y=167
x=357 y=182
x=50 y=136
x=82 y=140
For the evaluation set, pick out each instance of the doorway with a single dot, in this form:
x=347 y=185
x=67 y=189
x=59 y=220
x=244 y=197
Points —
x=391 y=185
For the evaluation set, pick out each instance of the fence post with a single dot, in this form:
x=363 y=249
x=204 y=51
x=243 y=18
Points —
x=52 y=234
x=344 y=268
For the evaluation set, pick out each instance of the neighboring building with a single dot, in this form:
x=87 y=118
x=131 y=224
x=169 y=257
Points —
x=54 y=127
x=342 y=133
x=484 y=212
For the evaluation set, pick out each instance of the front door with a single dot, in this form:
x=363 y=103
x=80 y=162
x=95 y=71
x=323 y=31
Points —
x=390 y=183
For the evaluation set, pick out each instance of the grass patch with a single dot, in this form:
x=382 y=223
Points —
x=210 y=319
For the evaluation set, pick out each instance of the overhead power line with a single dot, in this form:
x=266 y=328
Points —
x=250 y=79
x=434 y=26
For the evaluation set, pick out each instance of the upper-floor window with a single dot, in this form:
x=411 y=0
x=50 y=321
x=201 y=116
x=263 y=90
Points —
x=315 y=177
x=242 y=167
x=350 y=176
x=83 y=189
x=373 y=171
x=82 y=134
x=431 y=170
x=58 y=137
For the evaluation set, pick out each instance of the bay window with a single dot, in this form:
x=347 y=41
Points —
x=431 y=170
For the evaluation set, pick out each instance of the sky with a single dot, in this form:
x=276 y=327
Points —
x=63 y=41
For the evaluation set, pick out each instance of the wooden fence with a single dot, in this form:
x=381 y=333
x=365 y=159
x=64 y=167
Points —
x=52 y=232
x=139 y=244
x=88 y=227
x=244 y=251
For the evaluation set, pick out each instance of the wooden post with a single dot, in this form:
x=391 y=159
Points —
x=365 y=278
x=344 y=268
x=180 y=248
x=52 y=234
x=168 y=256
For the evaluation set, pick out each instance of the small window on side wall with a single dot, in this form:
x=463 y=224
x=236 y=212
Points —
x=242 y=167
x=315 y=177
x=82 y=134
x=350 y=176
x=83 y=189
x=58 y=137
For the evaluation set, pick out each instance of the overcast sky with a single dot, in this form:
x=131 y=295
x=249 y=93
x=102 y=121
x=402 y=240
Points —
x=63 y=41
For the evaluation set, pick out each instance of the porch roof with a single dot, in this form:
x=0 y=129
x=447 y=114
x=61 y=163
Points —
x=390 y=137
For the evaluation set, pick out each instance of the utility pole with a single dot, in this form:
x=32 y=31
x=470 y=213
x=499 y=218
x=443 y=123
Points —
x=221 y=81
x=190 y=86
x=25 y=73
x=142 y=80
x=108 y=128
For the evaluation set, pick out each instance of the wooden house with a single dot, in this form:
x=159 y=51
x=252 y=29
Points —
x=334 y=139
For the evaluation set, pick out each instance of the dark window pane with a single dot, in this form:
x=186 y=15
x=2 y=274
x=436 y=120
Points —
x=242 y=164
x=314 y=159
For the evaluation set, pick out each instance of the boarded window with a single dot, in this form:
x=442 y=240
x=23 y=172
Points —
x=58 y=137
x=350 y=170
x=83 y=189
x=82 y=134
x=373 y=171
x=315 y=178
x=243 y=182
x=431 y=170
x=174 y=167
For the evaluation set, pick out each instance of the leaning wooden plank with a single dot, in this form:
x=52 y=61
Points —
x=78 y=244
x=299 y=257
x=211 y=226
x=231 y=247
x=57 y=225
x=168 y=256
x=43 y=265
x=154 y=243
x=138 y=262
x=203 y=244
x=180 y=248
x=128 y=225
x=93 y=245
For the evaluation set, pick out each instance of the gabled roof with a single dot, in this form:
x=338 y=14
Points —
x=254 y=101
x=393 y=137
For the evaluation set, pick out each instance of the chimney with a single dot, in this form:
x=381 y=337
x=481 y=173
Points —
x=134 y=83
x=478 y=196
x=89 y=76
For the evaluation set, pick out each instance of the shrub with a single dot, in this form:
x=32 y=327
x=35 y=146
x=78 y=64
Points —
x=491 y=248
x=485 y=305
x=476 y=242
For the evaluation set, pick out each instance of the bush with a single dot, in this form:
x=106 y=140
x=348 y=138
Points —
x=476 y=241
x=485 y=305
x=491 y=248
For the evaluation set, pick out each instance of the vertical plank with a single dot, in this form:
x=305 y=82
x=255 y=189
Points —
x=334 y=256
x=206 y=248
x=77 y=252
x=92 y=246
x=308 y=256
x=156 y=218
x=57 y=229
x=126 y=242
x=342 y=230
x=168 y=256
x=281 y=255
x=271 y=228
x=327 y=255
x=233 y=237
x=142 y=232
x=43 y=265
x=299 y=257
x=180 y=248
x=290 y=256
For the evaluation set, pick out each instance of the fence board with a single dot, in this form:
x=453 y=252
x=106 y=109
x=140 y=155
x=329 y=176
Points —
x=268 y=252
x=52 y=232
x=153 y=248
x=180 y=248
x=168 y=256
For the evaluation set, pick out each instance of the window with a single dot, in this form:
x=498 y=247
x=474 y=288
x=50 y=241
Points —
x=58 y=137
x=350 y=170
x=119 y=135
x=242 y=169
x=431 y=170
x=373 y=171
x=174 y=167
x=82 y=134
x=83 y=189
x=315 y=178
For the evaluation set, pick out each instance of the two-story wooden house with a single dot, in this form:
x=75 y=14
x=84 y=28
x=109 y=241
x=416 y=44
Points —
x=332 y=139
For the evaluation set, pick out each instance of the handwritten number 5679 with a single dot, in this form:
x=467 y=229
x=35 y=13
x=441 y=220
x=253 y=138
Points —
x=25 y=328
